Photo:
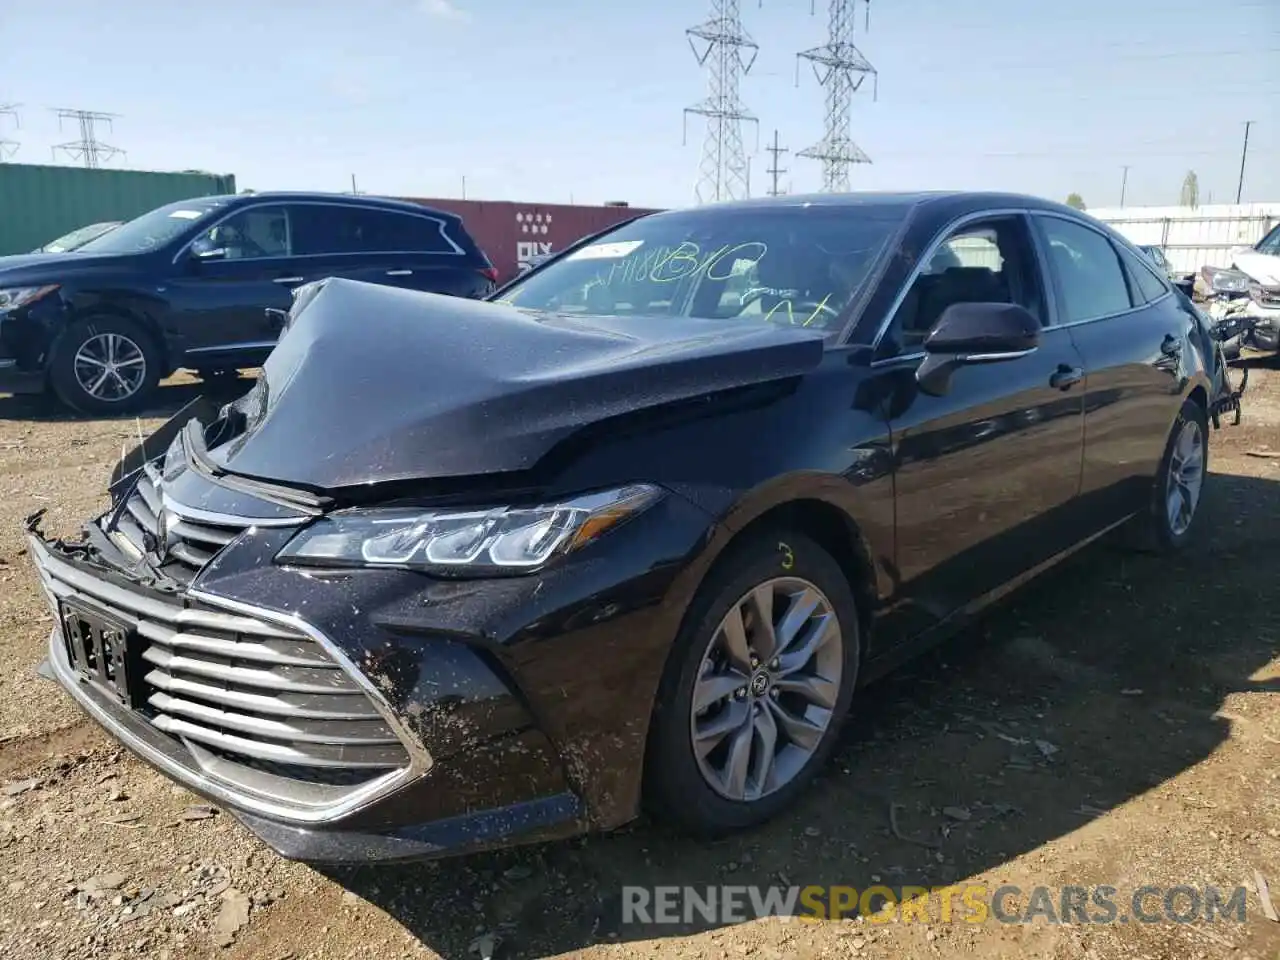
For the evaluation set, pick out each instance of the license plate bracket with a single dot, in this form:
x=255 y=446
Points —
x=101 y=648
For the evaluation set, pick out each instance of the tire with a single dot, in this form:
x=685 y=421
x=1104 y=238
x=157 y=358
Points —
x=696 y=795
x=1155 y=529
x=80 y=352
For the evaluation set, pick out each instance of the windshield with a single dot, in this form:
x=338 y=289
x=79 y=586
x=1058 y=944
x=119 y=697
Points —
x=1270 y=243
x=797 y=264
x=77 y=238
x=154 y=229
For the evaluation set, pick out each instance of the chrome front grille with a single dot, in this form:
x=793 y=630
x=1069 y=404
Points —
x=148 y=525
x=260 y=706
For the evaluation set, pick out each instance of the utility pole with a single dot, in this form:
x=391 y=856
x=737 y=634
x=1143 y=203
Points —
x=88 y=148
x=1124 y=185
x=9 y=147
x=1244 y=154
x=775 y=170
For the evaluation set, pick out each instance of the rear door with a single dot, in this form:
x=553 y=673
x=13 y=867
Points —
x=1132 y=335
x=986 y=475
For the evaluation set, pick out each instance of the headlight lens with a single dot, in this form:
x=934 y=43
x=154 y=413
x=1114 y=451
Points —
x=495 y=540
x=1226 y=281
x=13 y=297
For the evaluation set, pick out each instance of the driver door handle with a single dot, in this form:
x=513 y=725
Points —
x=287 y=280
x=399 y=273
x=1066 y=377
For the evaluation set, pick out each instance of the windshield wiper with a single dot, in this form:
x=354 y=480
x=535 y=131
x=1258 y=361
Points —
x=197 y=455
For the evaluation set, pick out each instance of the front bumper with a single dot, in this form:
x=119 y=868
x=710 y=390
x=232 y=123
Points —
x=1262 y=325
x=522 y=705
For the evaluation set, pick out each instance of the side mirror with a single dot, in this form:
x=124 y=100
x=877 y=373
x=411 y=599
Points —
x=969 y=333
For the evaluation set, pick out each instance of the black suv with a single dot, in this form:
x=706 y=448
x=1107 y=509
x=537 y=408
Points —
x=189 y=286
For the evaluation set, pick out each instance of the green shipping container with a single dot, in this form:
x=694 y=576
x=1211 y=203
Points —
x=40 y=203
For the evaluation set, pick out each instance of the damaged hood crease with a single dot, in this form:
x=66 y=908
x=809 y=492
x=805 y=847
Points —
x=377 y=384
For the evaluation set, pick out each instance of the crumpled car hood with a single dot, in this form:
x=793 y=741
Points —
x=1263 y=267
x=374 y=383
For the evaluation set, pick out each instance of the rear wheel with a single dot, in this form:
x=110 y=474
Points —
x=1169 y=522
x=105 y=365
x=756 y=688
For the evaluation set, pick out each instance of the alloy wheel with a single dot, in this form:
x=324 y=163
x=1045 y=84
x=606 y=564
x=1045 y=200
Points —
x=767 y=689
x=110 y=367
x=1186 y=477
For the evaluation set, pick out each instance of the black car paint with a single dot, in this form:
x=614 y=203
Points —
x=208 y=314
x=533 y=693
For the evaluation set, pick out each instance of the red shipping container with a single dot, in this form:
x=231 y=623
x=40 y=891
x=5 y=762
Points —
x=513 y=233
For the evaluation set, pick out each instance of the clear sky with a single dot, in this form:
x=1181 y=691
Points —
x=583 y=99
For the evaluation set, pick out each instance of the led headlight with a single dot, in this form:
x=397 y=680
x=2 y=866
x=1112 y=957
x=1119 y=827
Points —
x=495 y=540
x=13 y=297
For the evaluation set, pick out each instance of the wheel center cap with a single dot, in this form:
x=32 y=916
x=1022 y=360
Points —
x=760 y=684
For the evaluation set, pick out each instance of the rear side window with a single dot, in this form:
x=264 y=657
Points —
x=1149 y=287
x=1087 y=269
x=334 y=229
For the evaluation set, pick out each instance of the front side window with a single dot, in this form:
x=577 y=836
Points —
x=254 y=233
x=987 y=262
x=1087 y=269
x=798 y=265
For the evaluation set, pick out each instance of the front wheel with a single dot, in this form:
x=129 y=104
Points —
x=1169 y=521
x=105 y=365
x=756 y=687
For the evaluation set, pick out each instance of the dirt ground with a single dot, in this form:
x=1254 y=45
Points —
x=1117 y=722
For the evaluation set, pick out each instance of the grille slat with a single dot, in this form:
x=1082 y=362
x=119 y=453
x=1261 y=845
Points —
x=301 y=705
x=367 y=733
x=192 y=556
x=315 y=755
x=142 y=514
x=286 y=679
x=291 y=653
x=205 y=532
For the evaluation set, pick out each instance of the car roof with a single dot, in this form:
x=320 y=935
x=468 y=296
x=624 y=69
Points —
x=962 y=201
x=338 y=199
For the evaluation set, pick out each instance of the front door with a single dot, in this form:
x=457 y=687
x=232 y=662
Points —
x=225 y=282
x=986 y=475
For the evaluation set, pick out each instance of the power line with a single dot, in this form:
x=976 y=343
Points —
x=726 y=50
x=88 y=149
x=1198 y=56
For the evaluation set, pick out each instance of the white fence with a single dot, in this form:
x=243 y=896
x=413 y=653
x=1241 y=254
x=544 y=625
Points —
x=1193 y=237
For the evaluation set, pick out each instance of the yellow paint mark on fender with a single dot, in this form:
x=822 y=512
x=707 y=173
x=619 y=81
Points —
x=788 y=557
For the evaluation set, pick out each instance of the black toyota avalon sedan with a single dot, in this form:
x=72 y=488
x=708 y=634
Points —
x=459 y=574
x=195 y=285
